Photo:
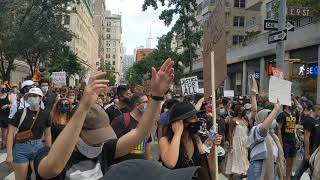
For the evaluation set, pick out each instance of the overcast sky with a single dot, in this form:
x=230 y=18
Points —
x=136 y=23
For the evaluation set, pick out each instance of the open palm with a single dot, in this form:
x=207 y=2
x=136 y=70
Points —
x=162 y=79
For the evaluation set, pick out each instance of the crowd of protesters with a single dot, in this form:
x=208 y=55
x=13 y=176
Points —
x=94 y=133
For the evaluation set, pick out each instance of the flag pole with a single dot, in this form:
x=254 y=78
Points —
x=214 y=112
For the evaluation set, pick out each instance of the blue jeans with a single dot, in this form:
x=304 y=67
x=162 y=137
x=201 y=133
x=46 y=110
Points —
x=255 y=169
x=25 y=152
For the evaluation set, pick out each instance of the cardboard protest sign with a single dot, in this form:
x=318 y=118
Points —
x=277 y=72
x=214 y=40
x=59 y=79
x=189 y=85
x=280 y=89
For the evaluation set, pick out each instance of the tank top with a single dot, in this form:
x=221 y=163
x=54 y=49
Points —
x=3 y=102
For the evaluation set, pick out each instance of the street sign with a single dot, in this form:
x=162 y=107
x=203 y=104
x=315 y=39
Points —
x=274 y=25
x=189 y=85
x=277 y=36
x=301 y=11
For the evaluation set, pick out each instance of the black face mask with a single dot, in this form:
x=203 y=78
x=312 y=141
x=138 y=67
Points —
x=127 y=101
x=193 y=128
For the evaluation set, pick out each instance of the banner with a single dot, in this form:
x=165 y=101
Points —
x=189 y=85
x=59 y=79
x=228 y=93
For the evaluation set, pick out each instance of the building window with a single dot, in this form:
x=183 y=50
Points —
x=237 y=39
x=114 y=50
x=108 y=23
x=269 y=10
x=108 y=36
x=108 y=49
x=108 y=29
x=108 y=43
x=114 y=44
x=113 y=63
x=107 y=55
x=114 y=56
x=238 y=21
x=240 y=3
x=67 y=20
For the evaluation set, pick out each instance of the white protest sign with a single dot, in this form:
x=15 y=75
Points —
x=228 y=93
x=280 y=89
x=59 y=79
x=189 y=85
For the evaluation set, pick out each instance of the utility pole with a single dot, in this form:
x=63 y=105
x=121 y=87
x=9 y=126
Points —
x=280 y=47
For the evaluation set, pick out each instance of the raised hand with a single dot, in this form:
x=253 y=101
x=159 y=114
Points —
x=92 y=90
x=177 y=127
x=277 y=106
x=162 y=80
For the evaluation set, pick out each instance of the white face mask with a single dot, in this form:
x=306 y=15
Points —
x=88 y=151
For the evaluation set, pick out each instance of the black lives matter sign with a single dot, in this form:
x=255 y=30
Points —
x=189 y=85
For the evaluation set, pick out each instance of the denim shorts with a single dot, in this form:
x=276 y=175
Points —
x=255 y=170
x=25 y=152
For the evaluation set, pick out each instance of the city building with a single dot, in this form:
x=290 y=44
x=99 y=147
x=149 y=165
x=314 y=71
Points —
x=114 y=47
x=99 y=26
x=80 y=20
x=256 y=55
x=128 y=61
x=237 y=21
x=141 y=52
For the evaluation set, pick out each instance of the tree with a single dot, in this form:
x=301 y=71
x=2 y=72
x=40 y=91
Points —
x=186 y=28
x=40 y=33
x=155 y=59
x=110 y=70
x=8 y=51
x=66 y=60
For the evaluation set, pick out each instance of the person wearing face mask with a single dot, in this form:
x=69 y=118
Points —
x=60 y=115
x=237 y=158
x=73 y=99
x=266 y=154
x=122 y=106
x=129 y=121
x=5 y=105
x=25 y=134
x=181 y=145
x=49 y=98
x=286 y=123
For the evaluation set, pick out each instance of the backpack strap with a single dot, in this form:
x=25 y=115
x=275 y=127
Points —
x=23 y=116
x=127 y=119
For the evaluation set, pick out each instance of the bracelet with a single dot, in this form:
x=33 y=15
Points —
x=157 y=98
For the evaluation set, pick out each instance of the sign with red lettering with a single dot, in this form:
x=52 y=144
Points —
x=301 y=11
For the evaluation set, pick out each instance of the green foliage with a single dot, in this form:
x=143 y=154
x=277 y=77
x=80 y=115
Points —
x=66 y=60
x=41 y=31
x=155 y=59
x=31 y=30
x=186 y=28
x=110 y=70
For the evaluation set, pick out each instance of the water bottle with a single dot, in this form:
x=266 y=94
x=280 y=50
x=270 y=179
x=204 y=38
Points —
x=207 y=145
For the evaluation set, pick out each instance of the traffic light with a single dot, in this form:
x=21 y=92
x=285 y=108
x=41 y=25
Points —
x=271 y=65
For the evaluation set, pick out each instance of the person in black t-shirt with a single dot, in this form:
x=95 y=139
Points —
x=123 y=106
x=286 y=123
x=23 y=146
x=88 y=129
x=49 y=98
x=311 y=129
x=128 y=121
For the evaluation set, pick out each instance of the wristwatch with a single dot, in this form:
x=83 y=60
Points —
x=157 y=98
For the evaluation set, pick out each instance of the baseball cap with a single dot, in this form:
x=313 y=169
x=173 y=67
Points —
x=35 y=91
x=132 y=169
x=27 y=83
x=96 y=128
